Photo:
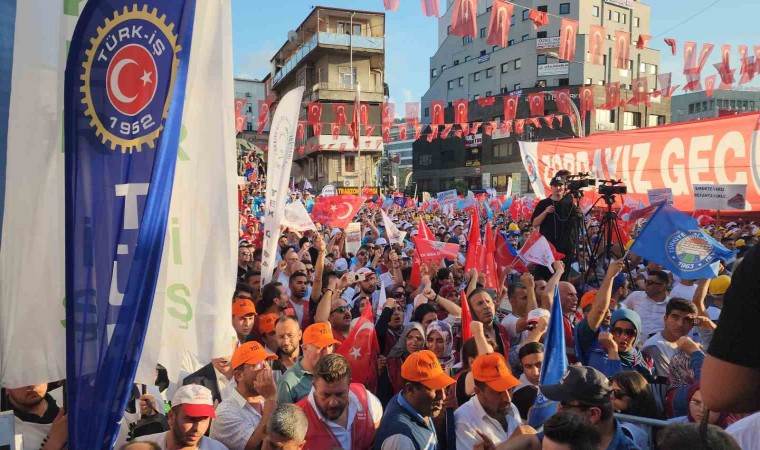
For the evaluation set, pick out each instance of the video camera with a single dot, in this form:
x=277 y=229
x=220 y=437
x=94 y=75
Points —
x=578 y=181
x=612 y=187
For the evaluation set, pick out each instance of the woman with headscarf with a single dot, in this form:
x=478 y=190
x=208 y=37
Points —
x=696 y=410
x=412 y=339
x=440 y=340
x=685 y=370
x=617 y=350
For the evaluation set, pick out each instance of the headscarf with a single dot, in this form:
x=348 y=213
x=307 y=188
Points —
x=443 y=327
x=399 y=348
x=722 y=420
x=681 y=373
x=632 y=359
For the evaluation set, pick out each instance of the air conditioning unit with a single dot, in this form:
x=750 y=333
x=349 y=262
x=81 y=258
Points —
x=347 y=183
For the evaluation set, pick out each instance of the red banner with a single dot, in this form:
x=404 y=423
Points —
x=436 y=113
x=568 y=33
x=460 y=111
x=621 y=50
x=498 y=27
x=314 y=113
x=718 y=151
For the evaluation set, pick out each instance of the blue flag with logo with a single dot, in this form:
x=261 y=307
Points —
x=554 y=366
x=399 y=201
x=674 y=240
x=124 y=93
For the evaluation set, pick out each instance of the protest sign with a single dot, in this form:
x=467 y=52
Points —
x=353 y=237
x=717 y=197
x=660 y=195
x=329 y=191
x=447 y=197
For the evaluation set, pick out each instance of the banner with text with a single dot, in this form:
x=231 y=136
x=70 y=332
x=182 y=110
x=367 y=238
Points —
x=715 y=197
x=447 y=197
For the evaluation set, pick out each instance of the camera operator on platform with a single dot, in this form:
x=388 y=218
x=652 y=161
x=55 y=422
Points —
x=556 y=217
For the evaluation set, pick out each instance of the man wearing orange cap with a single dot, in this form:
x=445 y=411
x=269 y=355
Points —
x=296 y=382
x=266 y=330
x=243 y=313
x=490 y=410
x=408 y=420
x=243 y=415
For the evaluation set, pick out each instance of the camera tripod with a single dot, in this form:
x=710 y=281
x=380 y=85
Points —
x=608 y=230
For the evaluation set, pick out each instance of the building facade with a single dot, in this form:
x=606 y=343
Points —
x=252 y=90
x=697 y=105
x=399 y=154
x=329 y=53
x=469 y=68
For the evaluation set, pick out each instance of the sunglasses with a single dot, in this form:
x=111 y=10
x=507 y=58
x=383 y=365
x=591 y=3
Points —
x=245 y=253
x=617 y=331
x=650 y=282
x=619 y=393
x=341 y=309
x=398 y=294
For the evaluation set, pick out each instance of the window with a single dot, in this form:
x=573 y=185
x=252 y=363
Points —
x=512 y=20
x=483 y=32
x=525 y=37
x=321 y=165
x=467 y=58
x=476 y=76
x=466 y=40
x=443 y=67
x=488 y=93
x=249 y=126
x=605 y=117
x=504 y=68
x=564 y=82
x=312 y=169
x=502 y=150
x=541 y=83
x=482 y=53
x=609 y=14
x=541 y=34
x=517 y=86
x=643 y=68
x=543 y=8
x=510 y=42
x=489 y=72
x=541 y=59
x=250 y=108
x=450 y=104
x=636 y=22
x=349 y=163
x=434 y=73
x=494 y=48
x=357 y=29
x=456 y=62
x=595 y=11
x=448 y=29
x=630 y=65
x=451 y=84
x=732 y=104
x=346 y=76
x=654 y=120
x=425 y=159
x=564 y=8
x=631 y=120
x=427 y=112
x=589 y=81
x=518 y=63
x=526 y=12
x=461 y=81
x=625 y=18
x=476 y=96
x=499 y=182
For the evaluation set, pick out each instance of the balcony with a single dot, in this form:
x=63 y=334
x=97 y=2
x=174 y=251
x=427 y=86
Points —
x=326 y=91
x=330 y=39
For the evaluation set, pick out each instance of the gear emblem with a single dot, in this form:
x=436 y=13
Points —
x=129 y=73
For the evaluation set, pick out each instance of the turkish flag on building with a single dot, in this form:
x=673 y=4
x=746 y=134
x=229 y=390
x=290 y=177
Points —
x=586 y=94
x=664 y=81
x=519 y=126
x=364 y=113
x=431 y=8
x=726 y=75
x=464 y=19
x=368 y=130
x=536 y=101
x=336 y=211
x=389 y=110
x=596 y=40
x=417 y=131
x=745 y=74
x=559 y=120
x=360 y=349
x=567 y=36
x=498 y=28
x=341 y=114
x=506 y=126
x=239 y=104
x=317 y=128
x=693 y=71
x=335 y=130
x=640 y=91
x=689 y=57
x=621 y=50
x=436 y=113
x=446 y=130
x=240 y=123
x=263 y=116
x=412 y=113
x=643 y=40
x=465 y=128
x=460 y=110
x=486 y=101
x=390 y=5
x=386 y=134
x=402 y=132
x=510 y=107
x=672 y=44
x=533 y=121
x=300 y=129
x=475 y=127
x=562 y=99
x=435 y=251
x=549 y=120
x=314 y=114
x=611 y=95
x=539 y=18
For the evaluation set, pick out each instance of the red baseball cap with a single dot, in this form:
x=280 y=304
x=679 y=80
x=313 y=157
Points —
x=196 y=401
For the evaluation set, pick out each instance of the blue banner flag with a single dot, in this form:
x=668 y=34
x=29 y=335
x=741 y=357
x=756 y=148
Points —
x=399 y=201
x=554 y=366
x=124 y=94
x=674 y=240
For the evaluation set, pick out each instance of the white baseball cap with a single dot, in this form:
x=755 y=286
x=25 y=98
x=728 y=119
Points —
x=196 y=401
x=381 y=241
x=340 y=265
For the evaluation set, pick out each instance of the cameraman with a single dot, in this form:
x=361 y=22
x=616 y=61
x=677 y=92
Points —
x=556 y=217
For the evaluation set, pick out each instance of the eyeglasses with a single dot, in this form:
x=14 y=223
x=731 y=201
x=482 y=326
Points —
x=341 y=309
x=619 y=393
x=617 y=331
x=311 y=270
x=650 y=282
x=245 y=253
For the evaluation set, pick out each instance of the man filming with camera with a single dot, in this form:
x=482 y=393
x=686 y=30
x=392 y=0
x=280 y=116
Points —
x=557 y=219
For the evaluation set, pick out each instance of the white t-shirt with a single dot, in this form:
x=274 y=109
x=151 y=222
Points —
x=206 y=443
x=683 y=291
x=651 y=313
x=664 y=352
x=746 y=431
x=510 y=323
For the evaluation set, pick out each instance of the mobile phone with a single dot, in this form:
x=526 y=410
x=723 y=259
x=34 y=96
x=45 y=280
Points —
x=355 y=277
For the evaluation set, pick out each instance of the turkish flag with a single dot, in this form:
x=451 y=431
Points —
x=639 y=91
x=510 y=107
x=364 y=113
x=536 y=101
x=549 y=120
x=559 y=120
x=689 y=57
x=539 y=18
x=464 y=20
x=621 y=50
x=506 y=126
x=486 y=101
x=519 y=126
x=586 y=94
x=506 y=255
x=611 y=95
x=694 y=70
x=745 y=74
x=475 y=127
x=466 y=318
x=314 y=113
x=423 y=231
x=514 y=209
x=317 y=128
x=263 y=116
x=596 y=40
x=390 y=5
x=726 y=76
x=335 y=130
x=539 y=250
x=388 y=113
x=756 y=51
x=417 y=131
x=643 y=40
x=402 y=132
x=562 y=99
x=460 y=111
x=412 y=113
x=664 y=81
x=300 y=129
x=435 y=251
x=341 y=114
x=436 y=113
x=446 y=130
x=533 y=120
x=498 y=28
x=431 y=8
x=240 y=123
x=465 y=128
x=473 y=244
x=336 y=211
x=360 y=349
x=368 y=130
x=239 y=104
x=386 y=134
x=568 y=33
x=672 y=44
x=487 y=262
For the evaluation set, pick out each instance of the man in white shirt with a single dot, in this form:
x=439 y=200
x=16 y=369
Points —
x=490 y=410
x=662 y=346
x=189 y=418
x=650 y=303
x=684 y=289
x=522 y=298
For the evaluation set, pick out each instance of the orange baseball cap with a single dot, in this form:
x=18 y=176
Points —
x=588 y=298
x=423 y=367
x=250 y=353
x=319 y=334
x=266 y=322
x=492 y=370
x=242 y=308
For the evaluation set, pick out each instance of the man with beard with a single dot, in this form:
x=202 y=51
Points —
x=407 y=423
x=557 y=219
x=245 y=256
x=296 y=382
x=490 y=410
x=341 y=414
x=298 y=287
x=484 y=311
x=366 y=288
x=242 y=417
x=243 y=314
x=37 y=417
x=189 y=418
x=215 y=376
x=288 y=335
x=274 y=298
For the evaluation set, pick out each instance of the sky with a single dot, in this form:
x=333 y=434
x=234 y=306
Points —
x=260 y=28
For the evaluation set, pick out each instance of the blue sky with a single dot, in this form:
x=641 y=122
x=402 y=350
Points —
x=260 y=27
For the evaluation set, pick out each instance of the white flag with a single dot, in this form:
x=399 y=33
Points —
x=296 y=218
x=394 y=235
x=509 y=188
x=282 y=135
x=307 y=185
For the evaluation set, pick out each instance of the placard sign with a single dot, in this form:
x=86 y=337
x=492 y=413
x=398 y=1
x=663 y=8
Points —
x=660 y=195
x=353 y=237
x=447 y=197
x=720 y=196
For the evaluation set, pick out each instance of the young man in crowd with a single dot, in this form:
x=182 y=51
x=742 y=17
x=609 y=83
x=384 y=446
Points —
x=37 y=417
x=243 y=319
x=286 y=429
x=288 y=335
x=296 y=382
x=522 y=298
x=650 y=303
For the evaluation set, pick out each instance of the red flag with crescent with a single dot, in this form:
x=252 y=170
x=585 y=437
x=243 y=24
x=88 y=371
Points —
x=402 y=132
x=239 y=104
x=465 y=128
x=336 y=211
x=431 y=8
x=664 y=81
x=386 y=134
x=389 y=110
x=436 y=113
x=474 y=244
x=263 y=116
x=519 y=126
x=596 y=40
x=562 y=99
x=466 y=318
x=568 y=33
x=317 y=129
x=726 y=76
x=486 y=101
x=460 y=110
x=390 y=5
x=417 y=131
x=434 y=250
x=240 y=123
x=412 y=113
x=539 y=18
x=549 y=120
x=498 y=28
x=464 y=19
x=475 y=127
x=536 y=101
x=689 y=57
x=643 y=40
x=506 y=126
x=710 y=85
x=300 y=129
x=559 y=120
x=586 y=94
x=745 y=74
x=368 y=130
x=314 y=113
x=335 y=130
x=446 y=130
x=360 y=349
x=510 y=107
x=621 y=50
x=672 y=43
x=487 y=262
x=364 y=113
x=534 y=121
x=340 y=110
x=611 y=95
x=504 y=257
x=693 y=72
x=639 y=91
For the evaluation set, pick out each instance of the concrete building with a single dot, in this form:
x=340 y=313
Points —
x=469 y=68
x=330 y=52
x=252 y=90
x=399 y=154
x=696 y=105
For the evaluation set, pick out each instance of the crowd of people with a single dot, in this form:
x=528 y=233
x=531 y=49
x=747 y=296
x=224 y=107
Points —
x=676 y=357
